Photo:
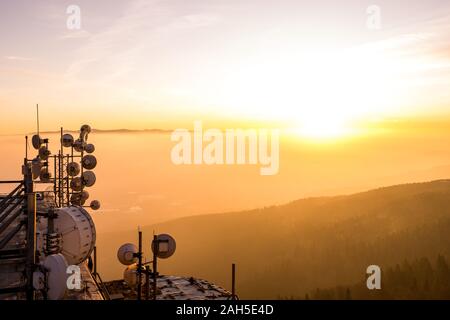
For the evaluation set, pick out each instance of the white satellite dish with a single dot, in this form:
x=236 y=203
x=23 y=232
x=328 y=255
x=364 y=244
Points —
x=89 y=178
x=166 y=246
x=89 y=162
x=89 y=148
x=45 y=175
x=38 y=280
x=73 y=169
x=36 y=166
x=36 y=141
x=67 y=140
x=77 y=231
x=56 y=266
x=76 y=184
x=127 y=254
x=44 y=153
x=95 y=205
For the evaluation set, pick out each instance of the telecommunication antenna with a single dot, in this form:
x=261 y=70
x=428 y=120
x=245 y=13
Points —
x=163 y=246
x=72 y=171
x=41 y=232
x=37 y=117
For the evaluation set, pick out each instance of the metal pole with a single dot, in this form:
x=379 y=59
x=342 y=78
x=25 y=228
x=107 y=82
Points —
x=37 y=117
x=95 y=260
x=147 y=282
x=61 y=168
x=139 y=266
x=54 y=177
x=67 y=183
x=30 y=206
x=59 y=179
x=155 y=264
x=233 y=282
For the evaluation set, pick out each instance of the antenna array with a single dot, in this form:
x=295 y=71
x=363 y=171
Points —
x=72 y=171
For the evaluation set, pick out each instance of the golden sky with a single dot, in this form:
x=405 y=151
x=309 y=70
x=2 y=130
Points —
x=310 y=65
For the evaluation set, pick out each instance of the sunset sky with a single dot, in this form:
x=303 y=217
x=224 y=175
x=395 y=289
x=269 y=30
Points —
x=312 y=65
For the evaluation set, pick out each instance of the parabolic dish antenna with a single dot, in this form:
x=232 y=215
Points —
x=95 y=205
x=76 y=184
x=36 y=166
x=89 y=162
x=84 y=195
x=85 y=128
x=127 y=254
x=76 y=200
x=36 y=141
x=78 y=145
x=89 y=148
x=56 y=266
x=89 y=178
x=45 y=175
x=166 y=246
x=44 y=153
x=73 y=169
x=78 y=233
x=67 y=140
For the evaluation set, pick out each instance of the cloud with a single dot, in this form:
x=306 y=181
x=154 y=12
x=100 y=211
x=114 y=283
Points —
x=18 y=58
x=78 y=34
x=192 y=21
x=119 y=49
x=135 y=209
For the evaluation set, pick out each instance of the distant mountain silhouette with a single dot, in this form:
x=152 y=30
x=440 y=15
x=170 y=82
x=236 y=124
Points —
x=292 y=249
x=112 y=131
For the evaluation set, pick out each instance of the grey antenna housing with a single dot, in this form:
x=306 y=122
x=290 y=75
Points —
x=67 y=140
x=88 y=178
x=84 y=132
x=89 y=162
x=78 y=145
x=76 y=184
x=36 y=141
x=95 y=205
x=73 y=169
x=44 y=153
x=45 y=176
x=127 y=254
x=89 y=148
x=76 y=199
x=166 y=246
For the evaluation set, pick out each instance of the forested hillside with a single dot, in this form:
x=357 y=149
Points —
x=291 y=250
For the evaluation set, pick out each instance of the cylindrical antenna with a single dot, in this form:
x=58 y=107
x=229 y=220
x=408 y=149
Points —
x=37 y=117
x=26 y=147
x=139 y=288
x=155 y=245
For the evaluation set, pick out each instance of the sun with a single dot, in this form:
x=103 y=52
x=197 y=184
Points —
x=322 y=93
x=322 y=129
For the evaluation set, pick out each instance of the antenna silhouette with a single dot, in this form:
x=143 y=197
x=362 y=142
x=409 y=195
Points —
x=37 y=117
